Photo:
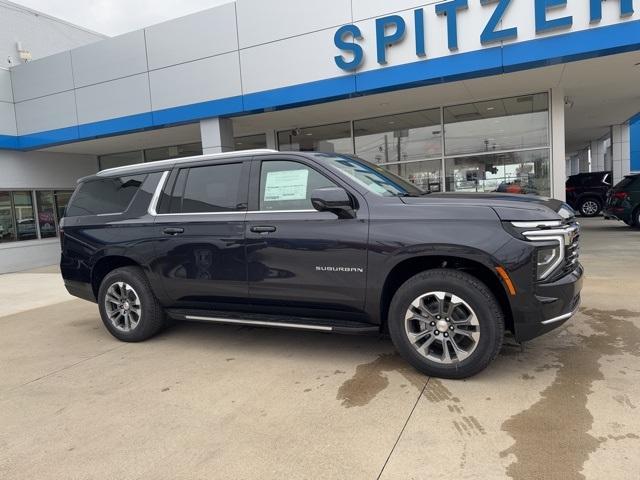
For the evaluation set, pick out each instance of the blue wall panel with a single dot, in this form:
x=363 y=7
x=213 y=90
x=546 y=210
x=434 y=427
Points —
x=594 y=42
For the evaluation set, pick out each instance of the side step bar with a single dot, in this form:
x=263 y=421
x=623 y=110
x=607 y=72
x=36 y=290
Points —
x=274 y=321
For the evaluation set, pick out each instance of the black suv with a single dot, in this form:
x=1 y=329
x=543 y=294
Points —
x=587 y=192
x=320 y=242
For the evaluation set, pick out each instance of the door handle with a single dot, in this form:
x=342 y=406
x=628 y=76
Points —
x=263 y=229
x=173 y=230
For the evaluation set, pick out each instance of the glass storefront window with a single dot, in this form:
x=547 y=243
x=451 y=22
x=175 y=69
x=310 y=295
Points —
x=250 y=142
x=25 y=219
x=62 y=200
x=46 y=214
x=512 y=172
x=334 y=138
x=120 y=159
x=425 y=175
x=7 y=227
x=399 y=138
x=497 y=125
x=176 y=151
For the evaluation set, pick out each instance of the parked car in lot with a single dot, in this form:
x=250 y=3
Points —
x=321 y=242
x=587 y=192
x=623 y=202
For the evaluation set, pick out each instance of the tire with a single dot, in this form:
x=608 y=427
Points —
x=635 y=218
x=590 y=207
x=476 y=299
x=146 y=316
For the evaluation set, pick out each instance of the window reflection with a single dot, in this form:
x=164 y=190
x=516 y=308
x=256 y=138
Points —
x=250 y=142
x=7 y=228
x=513 y=172
x=25 y=221
x=334 y=138
x=399 y=138
x=46 y=214
x=425 y=175
x=497 y=125
x=62 y=200
x=176 y=151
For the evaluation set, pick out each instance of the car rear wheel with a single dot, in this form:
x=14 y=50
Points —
x=446 y=323
x=635 y=218
x=128 y=307
x=590 y=207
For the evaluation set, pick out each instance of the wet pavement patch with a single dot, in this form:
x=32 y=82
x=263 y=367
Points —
x=369 y=380
x=552 y=437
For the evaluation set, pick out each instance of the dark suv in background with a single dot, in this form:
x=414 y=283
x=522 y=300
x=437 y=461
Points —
x=624 y=201
x=587 y=192
x=320 y=242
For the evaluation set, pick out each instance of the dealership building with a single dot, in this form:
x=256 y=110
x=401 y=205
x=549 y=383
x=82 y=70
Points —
x=456 y=95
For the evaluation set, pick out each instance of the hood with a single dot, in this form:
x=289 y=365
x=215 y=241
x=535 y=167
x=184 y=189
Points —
x=508 y=206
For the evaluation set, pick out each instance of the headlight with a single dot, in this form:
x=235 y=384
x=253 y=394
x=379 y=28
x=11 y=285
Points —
x=547 y=260
x=556 y=243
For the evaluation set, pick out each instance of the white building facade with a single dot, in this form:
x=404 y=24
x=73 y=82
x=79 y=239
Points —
x=457 y=95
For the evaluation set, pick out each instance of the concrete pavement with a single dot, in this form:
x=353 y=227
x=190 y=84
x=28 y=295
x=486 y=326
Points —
x=205 y=401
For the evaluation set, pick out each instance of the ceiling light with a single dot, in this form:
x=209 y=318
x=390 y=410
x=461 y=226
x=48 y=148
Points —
x=309 y=134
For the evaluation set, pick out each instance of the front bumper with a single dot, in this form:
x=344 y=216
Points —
x=551 y=305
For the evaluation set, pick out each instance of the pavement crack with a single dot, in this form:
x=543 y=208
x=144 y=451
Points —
x=403 y=428
x=84 y=360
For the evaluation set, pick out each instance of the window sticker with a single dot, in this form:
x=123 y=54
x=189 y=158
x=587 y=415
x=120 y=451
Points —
x=286 y=185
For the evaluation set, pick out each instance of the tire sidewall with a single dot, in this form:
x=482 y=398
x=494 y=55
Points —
x=480 y=300
x=148 y=320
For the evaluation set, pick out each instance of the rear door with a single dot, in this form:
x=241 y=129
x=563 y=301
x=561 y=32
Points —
x=201 y=221
x=299 y=257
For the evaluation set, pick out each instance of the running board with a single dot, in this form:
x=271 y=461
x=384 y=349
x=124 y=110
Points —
x=274 y=321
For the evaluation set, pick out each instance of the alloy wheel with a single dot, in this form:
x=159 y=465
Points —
x=442 y=327
x=123 y=307
x=590 y=208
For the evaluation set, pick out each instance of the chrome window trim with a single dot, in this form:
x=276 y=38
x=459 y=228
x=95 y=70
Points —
x=153 y=204
x=233 y=213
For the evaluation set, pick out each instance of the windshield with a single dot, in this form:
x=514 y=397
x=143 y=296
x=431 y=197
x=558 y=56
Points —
x=374 y=178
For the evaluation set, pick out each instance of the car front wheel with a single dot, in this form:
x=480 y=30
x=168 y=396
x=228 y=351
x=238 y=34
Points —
x=446 y=323
x=128 y=307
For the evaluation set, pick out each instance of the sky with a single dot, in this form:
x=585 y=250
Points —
x=113 y=17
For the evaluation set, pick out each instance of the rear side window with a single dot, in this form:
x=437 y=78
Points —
x=104 y=195
x=627 y=182
x=214 y=188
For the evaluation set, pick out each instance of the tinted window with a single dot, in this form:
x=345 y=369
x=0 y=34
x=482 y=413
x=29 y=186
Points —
x=288 y=185
x=104 y=195
x=627 y=182
x=214 y=188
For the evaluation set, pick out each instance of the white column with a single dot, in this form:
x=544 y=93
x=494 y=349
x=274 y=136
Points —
x=272 y=141
x=620 y=151
x=558 y=152
x=597 y=155
x=217 y=135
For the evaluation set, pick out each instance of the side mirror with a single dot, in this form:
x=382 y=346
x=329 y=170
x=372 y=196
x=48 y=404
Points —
x=333 y=199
